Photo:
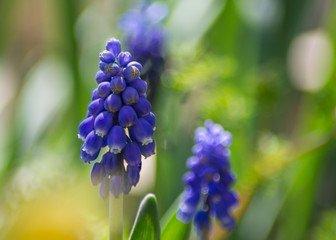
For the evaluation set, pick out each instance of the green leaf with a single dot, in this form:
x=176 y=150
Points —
x=147 y=223
x=175 y=229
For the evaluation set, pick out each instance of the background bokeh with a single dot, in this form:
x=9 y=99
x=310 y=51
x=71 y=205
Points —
x=264 y=69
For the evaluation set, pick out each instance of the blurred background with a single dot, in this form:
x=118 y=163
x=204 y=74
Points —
x=264 y=69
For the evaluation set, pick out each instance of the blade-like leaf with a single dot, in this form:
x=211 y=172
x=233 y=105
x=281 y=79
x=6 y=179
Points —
x=147 y=223
x=175 y=229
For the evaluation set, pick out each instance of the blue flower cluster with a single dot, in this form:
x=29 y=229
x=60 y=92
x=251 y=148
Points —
x=143 y=30
x=119 y=118
x=209 y=180
x=146 y=37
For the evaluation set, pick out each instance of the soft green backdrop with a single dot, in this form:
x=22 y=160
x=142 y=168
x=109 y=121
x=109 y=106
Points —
x=264 y=69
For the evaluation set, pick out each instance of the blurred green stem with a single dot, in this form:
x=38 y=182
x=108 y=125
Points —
x=116 y=217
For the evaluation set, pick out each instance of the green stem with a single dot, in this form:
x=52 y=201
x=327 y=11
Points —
x=116 y=217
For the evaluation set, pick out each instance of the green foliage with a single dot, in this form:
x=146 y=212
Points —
x=175 y=229
x=147 y=223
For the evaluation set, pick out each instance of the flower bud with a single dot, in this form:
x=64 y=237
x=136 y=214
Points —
x=103 y=123
x=131 y=73
x=130 y=96
x=140 y=85
x=126 y=185
x=113 y=45
x=127 y=116
x=110 y=69
x=85 y=127
x=132 y=154
x=190 y=179
x=151 y=119
x=96 y=107
x=201 y=221
x=110 y=162
x=118 y=84
x=142 y=131
x=142 y=107
x=116 y=186
x=124 y=58
x=87 y=158
x=147 y=150
x=97 y=173
x=102 y=77
x=104 y=89
x=113 y=103
x=92 y=143
x=116 y=139
x=106 y=56
x=104 y=188
x=136 y=64
x=133 y=174
x=94 y=94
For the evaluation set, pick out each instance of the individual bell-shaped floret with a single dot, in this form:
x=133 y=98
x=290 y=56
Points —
x=131 y=73
x=103 y=123
x=126 y=185
x=97 y=173
x=118 y=84
x=151 y=119
x=113 y=45
x=140 y=85
x=106 y=56
x=142 y=107
x=96 y=107
x=127 y=116
x=227 y=179
x=102 y=77
x=190 y=179
x=85 y=127
x=92 y=143
x=113 y=103
x=132 y=154
x=116 y=187
x=188 y=207
x=110 y=69
x=133 y=174
x=147 y=150
x=202 y=221
x=104 y=188
x=94 y=94
x=227 y=222
x=87 y=158
x=124 y=58
x=116 y=139
x=142 y=131
x=104 y=89
x=136 y=64
x=194 y=164
x=130 y=96
x=110 y=162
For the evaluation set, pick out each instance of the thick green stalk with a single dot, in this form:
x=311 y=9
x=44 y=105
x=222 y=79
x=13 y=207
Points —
x=116 y=217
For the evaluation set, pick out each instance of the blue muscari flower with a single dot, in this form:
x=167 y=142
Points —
x=144 y=33
x=112 y=113
x=208 y=183
x=146 y=38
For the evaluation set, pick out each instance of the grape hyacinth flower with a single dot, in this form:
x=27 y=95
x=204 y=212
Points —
x=145 y=37
x=209 y=180
x=119 y=120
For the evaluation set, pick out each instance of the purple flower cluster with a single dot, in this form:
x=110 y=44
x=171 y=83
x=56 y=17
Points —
x=209 y=180
x=119 y=118
x=144 y=34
